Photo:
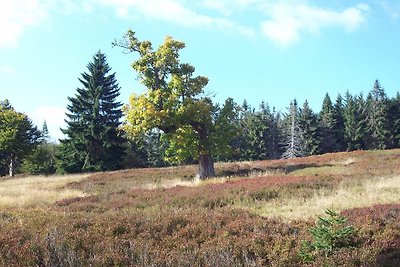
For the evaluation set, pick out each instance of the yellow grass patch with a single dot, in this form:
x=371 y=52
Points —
x=36 y=191
x=197 y=182
x=360 y=193
x=178 y=182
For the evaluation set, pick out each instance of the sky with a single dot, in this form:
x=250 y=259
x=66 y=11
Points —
x=249 y=49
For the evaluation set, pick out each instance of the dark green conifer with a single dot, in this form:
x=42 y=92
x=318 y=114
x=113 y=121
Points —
x=308 y=122
x=361 y=134
x=394 y=121
x=327 y=124
x=350 y=123
x=377 y=123
x=259 y=137
x=93 y=136
x=45 y=132
x=338 y=115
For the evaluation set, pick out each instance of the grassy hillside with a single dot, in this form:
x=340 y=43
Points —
x=253 y=214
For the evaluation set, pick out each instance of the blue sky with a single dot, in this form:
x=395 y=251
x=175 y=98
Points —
x=250 y=49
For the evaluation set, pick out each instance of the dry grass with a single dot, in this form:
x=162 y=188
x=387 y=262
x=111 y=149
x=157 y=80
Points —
x=167 y=184
x=350 y=194
x=36 y=191
x=197 y=182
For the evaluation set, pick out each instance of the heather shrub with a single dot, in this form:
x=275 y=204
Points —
x=121 y=221
x=264 y=194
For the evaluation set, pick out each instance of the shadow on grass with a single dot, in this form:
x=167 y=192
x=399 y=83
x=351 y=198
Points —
x=237 y=171
x=389 y=257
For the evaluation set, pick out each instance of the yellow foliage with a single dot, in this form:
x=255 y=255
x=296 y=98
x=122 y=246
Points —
x=173 y=101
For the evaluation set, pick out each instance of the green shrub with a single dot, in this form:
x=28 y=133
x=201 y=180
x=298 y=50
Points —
x=329 y=233
x=41 y=160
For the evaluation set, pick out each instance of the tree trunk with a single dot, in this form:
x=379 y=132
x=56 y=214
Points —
x=206 y=166
x=11 y=166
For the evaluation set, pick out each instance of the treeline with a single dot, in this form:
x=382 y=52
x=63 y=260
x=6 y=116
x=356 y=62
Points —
x=95 y=140
x=352 y=122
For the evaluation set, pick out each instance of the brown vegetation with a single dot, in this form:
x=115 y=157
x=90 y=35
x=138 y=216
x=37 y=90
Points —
x=255 y=214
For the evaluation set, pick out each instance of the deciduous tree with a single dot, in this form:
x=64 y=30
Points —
x=174 y=102
x=18 y=136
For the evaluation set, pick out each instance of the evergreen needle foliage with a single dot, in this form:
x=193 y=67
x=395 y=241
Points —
x=329 y=233
x=93 y=142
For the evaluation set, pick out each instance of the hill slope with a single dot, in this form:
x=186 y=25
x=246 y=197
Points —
x=254 y=214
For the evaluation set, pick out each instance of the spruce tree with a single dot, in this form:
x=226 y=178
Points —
x=355 y=122
x=235 y=114
x=377 y=124
x=261 y=132
x=245 y=106
x=226 y=122
x=350 y=123
x=45 y=132
x=42 y=158
x=276 y=133
x=293 y=143
x=327 y=125
x=361 y=134
x=394 y=121
x=94 y=116
x=308 y=122
x=250 y=125
x=338 y=115
x=258 y=133
x=270 y=131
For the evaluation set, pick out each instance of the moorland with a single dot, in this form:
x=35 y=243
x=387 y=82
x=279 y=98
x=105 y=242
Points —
x=252 y=214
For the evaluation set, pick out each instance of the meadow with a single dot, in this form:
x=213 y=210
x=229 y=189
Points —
x=252 y=214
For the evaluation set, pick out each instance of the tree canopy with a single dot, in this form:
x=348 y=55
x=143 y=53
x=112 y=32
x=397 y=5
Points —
x=18 y=136
x=175 y=103
x=94 y=141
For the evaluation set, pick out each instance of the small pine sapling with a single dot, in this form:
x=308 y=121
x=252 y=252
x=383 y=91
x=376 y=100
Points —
x=329 y=233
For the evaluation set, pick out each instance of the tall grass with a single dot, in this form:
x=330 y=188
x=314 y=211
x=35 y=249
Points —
x=349 y=194
x=36 y=191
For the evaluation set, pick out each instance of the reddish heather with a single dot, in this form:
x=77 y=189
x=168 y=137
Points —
x=118 y=225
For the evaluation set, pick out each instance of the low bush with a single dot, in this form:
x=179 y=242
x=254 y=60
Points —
x=330 y=233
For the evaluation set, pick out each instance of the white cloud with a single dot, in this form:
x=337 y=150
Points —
x=222 y=6
x=282 y=21
x=174 y=11
x=15 y=16
x=54 y=117
x=227 y=6
x=166 y=10
x=18 y=15
x=287 y=20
